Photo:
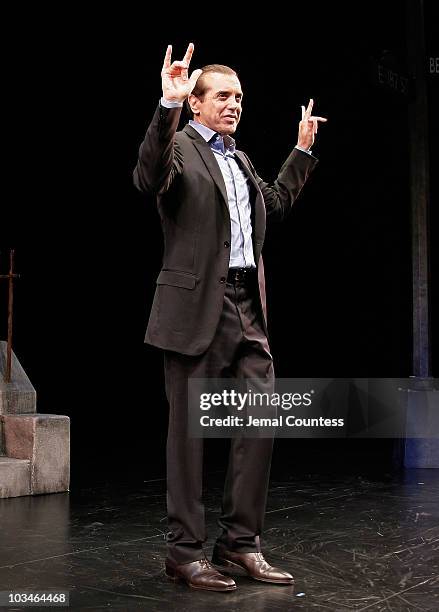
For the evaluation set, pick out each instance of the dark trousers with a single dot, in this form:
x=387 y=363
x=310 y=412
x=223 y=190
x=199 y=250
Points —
x=239 y=349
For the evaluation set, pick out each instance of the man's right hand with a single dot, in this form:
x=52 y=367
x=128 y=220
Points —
x=175 y=82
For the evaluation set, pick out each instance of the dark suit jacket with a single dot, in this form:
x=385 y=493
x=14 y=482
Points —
x=181 y=171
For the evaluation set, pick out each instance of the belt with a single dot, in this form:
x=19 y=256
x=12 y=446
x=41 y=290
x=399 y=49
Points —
x=241 y=276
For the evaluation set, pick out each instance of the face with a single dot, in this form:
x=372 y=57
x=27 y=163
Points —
x=221 y=106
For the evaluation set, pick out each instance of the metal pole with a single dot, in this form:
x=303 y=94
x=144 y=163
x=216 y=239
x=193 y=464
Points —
x=10 y=276
x=419 y=186
x=10 y=315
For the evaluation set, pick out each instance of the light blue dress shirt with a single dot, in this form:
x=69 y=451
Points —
x=238 y=192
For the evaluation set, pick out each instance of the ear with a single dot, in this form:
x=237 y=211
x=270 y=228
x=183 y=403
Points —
x=194 y=103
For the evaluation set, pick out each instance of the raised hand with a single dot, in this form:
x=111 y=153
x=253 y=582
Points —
x=308 y=126
x=176 y=85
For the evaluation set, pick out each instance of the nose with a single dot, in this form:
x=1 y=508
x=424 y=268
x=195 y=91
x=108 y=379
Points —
x=234 y=105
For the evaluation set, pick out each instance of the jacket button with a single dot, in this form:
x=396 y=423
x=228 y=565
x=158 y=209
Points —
x=222 y=279
x=226 y=244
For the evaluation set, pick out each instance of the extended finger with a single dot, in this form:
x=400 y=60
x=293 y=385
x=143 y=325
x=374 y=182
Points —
x=188 y=54
x=318 y=118
x=309 y=109
x=167 y=60
x=303 y=111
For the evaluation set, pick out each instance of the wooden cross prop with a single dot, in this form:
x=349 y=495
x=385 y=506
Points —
x=10 y=276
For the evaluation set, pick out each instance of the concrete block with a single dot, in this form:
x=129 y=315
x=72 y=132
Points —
x=18 y=396
x=421 y=453
x=422 y=443
x=14 y=477
x=44 y=439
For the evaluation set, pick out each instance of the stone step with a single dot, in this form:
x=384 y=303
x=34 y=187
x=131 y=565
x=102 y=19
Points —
x=34 y=448
x=14 y=477
x=44 y=440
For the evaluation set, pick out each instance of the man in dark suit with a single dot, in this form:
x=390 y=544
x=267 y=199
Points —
x=209 y=312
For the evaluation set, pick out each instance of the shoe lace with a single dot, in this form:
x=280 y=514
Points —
x=205 y=563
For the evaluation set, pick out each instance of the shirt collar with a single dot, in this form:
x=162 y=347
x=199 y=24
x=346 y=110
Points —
x=205 y=131
x=222 y=143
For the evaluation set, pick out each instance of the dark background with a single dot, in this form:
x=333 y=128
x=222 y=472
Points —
x=88 y=246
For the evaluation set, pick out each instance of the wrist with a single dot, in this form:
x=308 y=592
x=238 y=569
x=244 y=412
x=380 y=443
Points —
x=307 y=151
x=167 y=103
x=173 y=99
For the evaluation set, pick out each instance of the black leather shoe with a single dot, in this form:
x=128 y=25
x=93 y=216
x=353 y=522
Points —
x=200 y=575
x=250 y=564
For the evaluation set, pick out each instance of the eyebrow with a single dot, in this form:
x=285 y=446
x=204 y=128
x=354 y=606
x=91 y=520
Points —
x=227 y=92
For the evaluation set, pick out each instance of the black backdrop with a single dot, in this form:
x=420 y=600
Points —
x=88 y=247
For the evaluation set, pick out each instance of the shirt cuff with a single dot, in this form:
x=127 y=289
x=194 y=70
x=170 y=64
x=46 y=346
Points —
x=168 y=104
x=304 y=150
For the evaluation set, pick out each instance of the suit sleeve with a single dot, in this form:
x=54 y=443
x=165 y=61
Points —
x=160 y=158
x=280 y=197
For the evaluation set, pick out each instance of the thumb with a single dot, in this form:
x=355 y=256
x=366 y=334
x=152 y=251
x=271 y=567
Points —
x=303 y=111
x=194 y=77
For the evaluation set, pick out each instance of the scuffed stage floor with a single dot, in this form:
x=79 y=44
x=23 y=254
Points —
x=351 y=543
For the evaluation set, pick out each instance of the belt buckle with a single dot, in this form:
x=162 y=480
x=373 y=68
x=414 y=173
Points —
x=241 y=275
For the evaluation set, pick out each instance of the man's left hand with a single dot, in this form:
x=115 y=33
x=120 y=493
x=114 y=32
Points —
x=308 y=127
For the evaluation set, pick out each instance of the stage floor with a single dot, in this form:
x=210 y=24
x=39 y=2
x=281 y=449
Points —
x=352 y=543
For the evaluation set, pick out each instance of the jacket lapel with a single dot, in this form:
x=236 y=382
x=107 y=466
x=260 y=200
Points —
x=246 y=168
x=208 y=158
x=258 y=207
